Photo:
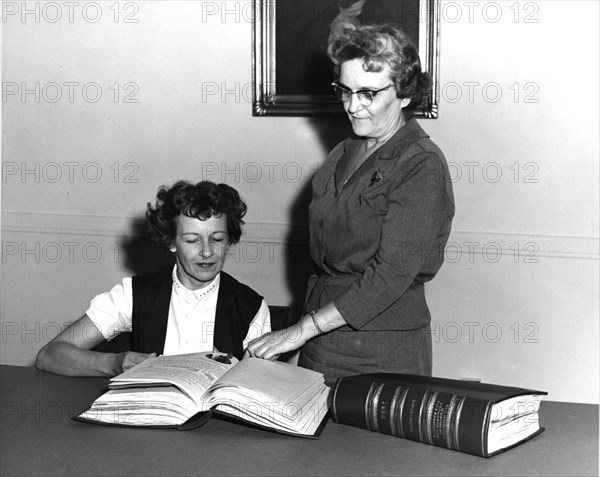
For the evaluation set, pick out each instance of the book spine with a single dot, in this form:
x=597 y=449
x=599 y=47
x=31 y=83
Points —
x=440 y=419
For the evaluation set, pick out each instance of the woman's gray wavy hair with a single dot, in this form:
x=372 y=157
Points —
x=379 y=46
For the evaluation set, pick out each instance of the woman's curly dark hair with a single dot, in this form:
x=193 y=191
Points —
x=380 y=46
x=201 y=201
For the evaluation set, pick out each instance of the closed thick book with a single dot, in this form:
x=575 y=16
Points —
x=184 y=390
x=465 y=416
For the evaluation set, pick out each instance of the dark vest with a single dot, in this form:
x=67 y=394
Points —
x=237 y=305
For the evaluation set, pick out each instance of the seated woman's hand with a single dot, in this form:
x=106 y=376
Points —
x=271 y=345
x=129 y=359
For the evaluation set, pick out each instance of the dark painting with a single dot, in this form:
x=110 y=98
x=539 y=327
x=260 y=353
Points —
x=303 y=28
x=292 y=71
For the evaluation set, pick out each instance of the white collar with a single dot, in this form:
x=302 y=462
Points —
x=181 y=289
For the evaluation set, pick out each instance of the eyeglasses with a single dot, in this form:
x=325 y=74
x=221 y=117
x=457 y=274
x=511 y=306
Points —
x=365 y=96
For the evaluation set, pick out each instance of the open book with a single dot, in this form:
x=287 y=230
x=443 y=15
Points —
x=180 y=390
x=471 y=417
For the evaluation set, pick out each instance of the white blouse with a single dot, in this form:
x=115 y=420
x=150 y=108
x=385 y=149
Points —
x=191 y=322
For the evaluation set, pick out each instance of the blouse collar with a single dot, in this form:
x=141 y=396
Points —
x=199 y=294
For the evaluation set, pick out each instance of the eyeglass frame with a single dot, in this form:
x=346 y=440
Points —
x=369 y=92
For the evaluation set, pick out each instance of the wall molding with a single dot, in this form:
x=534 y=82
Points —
x=521 y=246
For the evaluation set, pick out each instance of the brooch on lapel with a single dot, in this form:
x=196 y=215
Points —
x=377 y=176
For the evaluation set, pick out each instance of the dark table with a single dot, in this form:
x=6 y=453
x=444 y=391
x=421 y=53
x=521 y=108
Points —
x=38 y=437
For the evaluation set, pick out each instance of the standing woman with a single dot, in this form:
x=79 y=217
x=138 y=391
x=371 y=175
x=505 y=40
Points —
x=380 y=218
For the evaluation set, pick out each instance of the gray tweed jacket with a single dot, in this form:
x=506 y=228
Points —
x=378 y=238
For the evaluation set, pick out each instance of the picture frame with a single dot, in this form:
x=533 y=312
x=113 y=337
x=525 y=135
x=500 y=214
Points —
x=292 y=74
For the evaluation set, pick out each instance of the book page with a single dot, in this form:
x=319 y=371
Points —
x=515 y=407
x=272 y=394
x=278 y=381
x=192 y=373
x=286 y=417
x=164 y=405
x=513 y=420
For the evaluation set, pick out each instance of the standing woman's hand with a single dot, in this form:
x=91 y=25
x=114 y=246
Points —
x=272 y=345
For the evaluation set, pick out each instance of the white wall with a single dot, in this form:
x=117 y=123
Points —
x=517 y=300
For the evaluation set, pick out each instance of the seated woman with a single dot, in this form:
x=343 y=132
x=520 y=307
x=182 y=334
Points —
x=191 y=307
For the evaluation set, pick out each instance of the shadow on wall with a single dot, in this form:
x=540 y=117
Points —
x=143 y=255
x=298 y=265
